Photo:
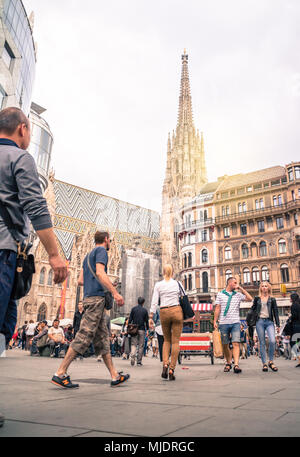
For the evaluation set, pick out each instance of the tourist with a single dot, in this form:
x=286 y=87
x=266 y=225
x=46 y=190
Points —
x=57 y=339
x=21 y=200
x=30 y=332
x=287 y=347
x=139 y=316
x=266 y=309
x=243 y=343
x=93 y=329
x=69 y=336
x=166 y=295
x=23 y=335
x=126 y=340
x=77 y=318
x=159 y=333
x=227 y=311
x=40 y=340
x=295 y=325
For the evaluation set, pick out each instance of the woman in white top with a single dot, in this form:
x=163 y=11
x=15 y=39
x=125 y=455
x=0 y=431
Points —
x=166 y=295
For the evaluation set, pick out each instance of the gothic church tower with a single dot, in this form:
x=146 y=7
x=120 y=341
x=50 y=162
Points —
x=186 y=168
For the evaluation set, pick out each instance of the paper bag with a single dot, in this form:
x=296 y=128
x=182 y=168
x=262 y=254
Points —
x=217 y=343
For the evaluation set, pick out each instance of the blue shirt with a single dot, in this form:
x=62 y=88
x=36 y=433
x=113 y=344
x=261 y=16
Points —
x=92 y=287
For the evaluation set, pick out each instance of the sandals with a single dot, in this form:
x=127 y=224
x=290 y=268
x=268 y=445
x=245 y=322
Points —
x=237 y=369
x=265 y=367
x=227 y=367
x=171 y=375
x=272 y=366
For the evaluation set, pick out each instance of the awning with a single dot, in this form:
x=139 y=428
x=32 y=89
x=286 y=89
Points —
x=203 y=307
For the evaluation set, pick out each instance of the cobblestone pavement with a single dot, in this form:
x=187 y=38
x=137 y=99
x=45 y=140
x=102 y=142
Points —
x=203 y=401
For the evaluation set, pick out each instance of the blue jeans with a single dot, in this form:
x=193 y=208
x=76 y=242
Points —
x=232 y=331
x=8 y=307
x=263 y=326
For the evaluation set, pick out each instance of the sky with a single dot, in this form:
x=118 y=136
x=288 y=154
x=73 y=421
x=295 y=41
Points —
x=109 y=75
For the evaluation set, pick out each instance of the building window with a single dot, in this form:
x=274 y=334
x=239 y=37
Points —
x=261 y=226
x=285 y=276
x=279 y=222
x=296 y=218
x=185 y=283
x=190 y=261
x=279 y=200
x=291 y=174
x=297 y=172
x=227 y=210
x=240 y=208
x=223 y=211
x=226 y=232
x=282 y=246
x=243 y=229
x=205 y=282
x=204 y=256
x=265 y=276
x=255 y=275
x=204 y=235
x=50 y=278
x=262 y=249
x=244 y=207
x=246 y=276
x=298 y=242
x=227 y=253
x=261 y=203
x=7 y=55
x=42 y=313
x=256 y=204
x=245 y=251
x=185 y=261
x=190 y=282
x=275 y=200
x=228 y=274
x=42 y=276
x=205 y=214
x=253 y=248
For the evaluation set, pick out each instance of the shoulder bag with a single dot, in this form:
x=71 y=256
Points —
x=187 y=309
x=25 y=267
x=109 y=301
x=132 y=329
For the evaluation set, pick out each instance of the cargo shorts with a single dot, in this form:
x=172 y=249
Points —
x=93 y=328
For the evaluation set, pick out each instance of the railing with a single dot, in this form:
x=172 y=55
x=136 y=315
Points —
x=260 y=212
x=195 y=224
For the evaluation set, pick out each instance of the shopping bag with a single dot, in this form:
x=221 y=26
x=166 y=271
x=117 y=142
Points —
x=217 y=343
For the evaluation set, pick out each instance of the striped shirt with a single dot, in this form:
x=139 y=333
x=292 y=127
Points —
x=233 y=315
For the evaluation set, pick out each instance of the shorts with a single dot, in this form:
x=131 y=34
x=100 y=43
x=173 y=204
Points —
x=155 y=342
x=230 y=332
x=93 y=328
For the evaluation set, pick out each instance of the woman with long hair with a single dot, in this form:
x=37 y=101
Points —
x=167 y=294
x=266 y=309
x=295 y=323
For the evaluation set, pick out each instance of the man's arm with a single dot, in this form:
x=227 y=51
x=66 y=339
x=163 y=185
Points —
x=243 y=291
x=216 y=316
x=104 y=279
x=59 y=267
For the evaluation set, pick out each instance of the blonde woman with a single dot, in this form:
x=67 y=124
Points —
x=166 y=295
x=266 y=309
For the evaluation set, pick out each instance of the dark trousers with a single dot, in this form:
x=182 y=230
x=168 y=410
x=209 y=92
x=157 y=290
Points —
x=160 y=346
x=8 y=307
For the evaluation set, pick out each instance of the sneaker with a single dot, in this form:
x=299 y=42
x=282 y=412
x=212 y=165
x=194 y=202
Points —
x=64 y=382
x=122 y=378
x=1 y=420
x=139 y=364
x=132 y=362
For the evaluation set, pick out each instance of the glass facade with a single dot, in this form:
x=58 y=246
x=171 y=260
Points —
x=15 y=19
x=41 y=146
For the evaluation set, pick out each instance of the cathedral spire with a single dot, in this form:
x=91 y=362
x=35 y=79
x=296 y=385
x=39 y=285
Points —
x=185 y=115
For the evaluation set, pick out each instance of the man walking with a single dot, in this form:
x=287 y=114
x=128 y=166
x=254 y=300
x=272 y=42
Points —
x=139 y=316
x=93 y=328
x=228 y=311
x=22 y=200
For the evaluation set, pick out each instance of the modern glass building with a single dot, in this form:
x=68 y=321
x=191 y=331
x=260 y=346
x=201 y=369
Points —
x=17 y=56
x=41 y=143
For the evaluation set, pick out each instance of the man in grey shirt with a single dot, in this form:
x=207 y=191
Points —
x=21 y=197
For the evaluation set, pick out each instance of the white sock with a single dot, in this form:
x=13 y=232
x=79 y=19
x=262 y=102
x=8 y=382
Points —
x=61 y=376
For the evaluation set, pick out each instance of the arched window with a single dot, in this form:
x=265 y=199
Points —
x=190 y=282
x=275 y=200
x=42 y=313
x=205 y=282
x=246 y=276
x=228 y=274
x=285 y=276
x=253 y=248
x=50 y=278
x=265 y=276
x=204 y=256
x=245 y=251
x=190 y=259
x=282 y=246
x=240 y=208
x=185 y=283
x=227 y=253
x=255 y=275
x=42 y=276
x=244 y=207
x=184 y=261
x=262 y=249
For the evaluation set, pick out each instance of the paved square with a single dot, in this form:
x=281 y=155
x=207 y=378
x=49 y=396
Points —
x=203 y=401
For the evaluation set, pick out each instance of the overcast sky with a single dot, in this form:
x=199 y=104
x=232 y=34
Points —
x=108 y=73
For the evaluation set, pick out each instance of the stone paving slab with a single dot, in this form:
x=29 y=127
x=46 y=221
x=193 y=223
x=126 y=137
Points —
x=203 y=401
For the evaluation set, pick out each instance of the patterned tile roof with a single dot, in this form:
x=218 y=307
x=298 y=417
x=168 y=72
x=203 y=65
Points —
x=240 y=180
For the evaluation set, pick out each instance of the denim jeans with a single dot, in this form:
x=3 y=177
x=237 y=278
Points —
x=263 y=326
x=8 y=307
x=138 y=340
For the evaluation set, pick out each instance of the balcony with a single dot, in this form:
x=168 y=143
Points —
x=200 y=223
x=262 y=212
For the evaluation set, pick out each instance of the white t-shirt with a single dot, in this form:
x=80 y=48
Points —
x=233 y=315
x=58 y=333
x=30 y=329
x=168 y=292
